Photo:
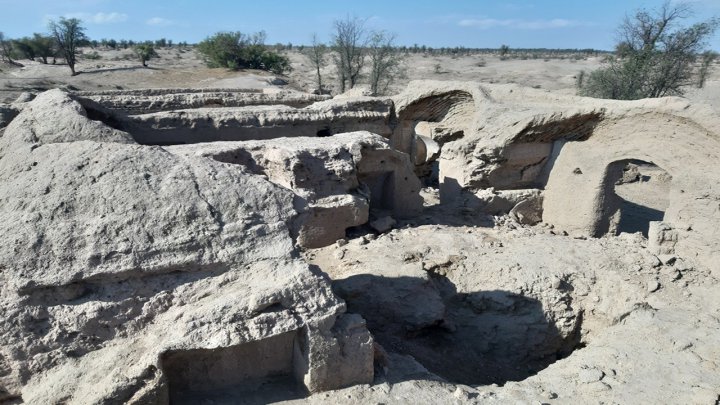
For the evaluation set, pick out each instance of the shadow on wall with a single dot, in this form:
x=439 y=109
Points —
x=257 y=372
x=636 y=218
x=483 y=337
x=635 y=193
x=453 y=108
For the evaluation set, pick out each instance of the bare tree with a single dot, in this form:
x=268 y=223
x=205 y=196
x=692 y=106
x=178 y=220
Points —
x=68 y=34
x=646 y=28
x=655 y=57
x=349 y=42
x=385 y=62
x=316 y=53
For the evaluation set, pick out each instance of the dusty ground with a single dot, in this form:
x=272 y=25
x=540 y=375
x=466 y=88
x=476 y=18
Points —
x=117 y=70
x=562 y=319
x=183 y=68
x=557 y=315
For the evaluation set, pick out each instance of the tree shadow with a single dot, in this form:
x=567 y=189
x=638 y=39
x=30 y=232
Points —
x=478 y=338
x=116 y=69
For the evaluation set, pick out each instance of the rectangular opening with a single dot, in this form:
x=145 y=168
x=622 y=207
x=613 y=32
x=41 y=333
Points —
x=382 y=189
x=257 y=372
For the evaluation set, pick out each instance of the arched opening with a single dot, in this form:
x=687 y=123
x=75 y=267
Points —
x=424 y=127
x=636 y=193
x=324 y=132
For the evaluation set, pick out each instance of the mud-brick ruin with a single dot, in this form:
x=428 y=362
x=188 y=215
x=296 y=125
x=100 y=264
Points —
x=456 y=243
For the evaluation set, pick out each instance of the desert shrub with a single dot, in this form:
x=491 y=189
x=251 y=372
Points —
x=654 y=58
x=504 y=50
x=235 y=50
x=145 y=52
x=43 y=46
x=22 y=49
x=92 y=56
x=706 y=60
x=6 y=49
x=580 y=79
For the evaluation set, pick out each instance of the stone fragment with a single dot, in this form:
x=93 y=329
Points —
x=383 y=224
x=277 y=81
x=527 y=212
x=667 y=259
x=662 y=238
x=590 y=375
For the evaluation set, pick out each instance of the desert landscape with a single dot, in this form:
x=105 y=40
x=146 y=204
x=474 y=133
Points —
x=477 y=233
x=177 y=68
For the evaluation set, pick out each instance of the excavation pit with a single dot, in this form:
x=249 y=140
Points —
x=478 y=338
x=251 y=373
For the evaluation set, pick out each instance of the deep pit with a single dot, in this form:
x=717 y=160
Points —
x=478 y=338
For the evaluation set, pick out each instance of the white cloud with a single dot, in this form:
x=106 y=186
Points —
x=487 y=23
x=159 y=22
x=99 y=18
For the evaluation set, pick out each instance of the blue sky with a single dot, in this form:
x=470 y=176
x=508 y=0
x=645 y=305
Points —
x=469 y=23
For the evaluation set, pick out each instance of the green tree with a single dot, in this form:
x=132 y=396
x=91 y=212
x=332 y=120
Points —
x=235 y=50
x=37 y=46
x=504 y=50
x=68 y=34
x=6 y=49
x=43 y=46
x=23 y=48
x=707 y=58
x=655 y=57
x=145 y=52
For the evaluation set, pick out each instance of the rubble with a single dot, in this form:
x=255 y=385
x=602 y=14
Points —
x=185 y=245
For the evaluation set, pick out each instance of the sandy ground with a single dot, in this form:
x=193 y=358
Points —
x=183 y=67
x=611 y=299
x=176 y=68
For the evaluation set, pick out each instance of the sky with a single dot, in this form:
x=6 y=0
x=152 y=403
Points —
x=436 y=23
